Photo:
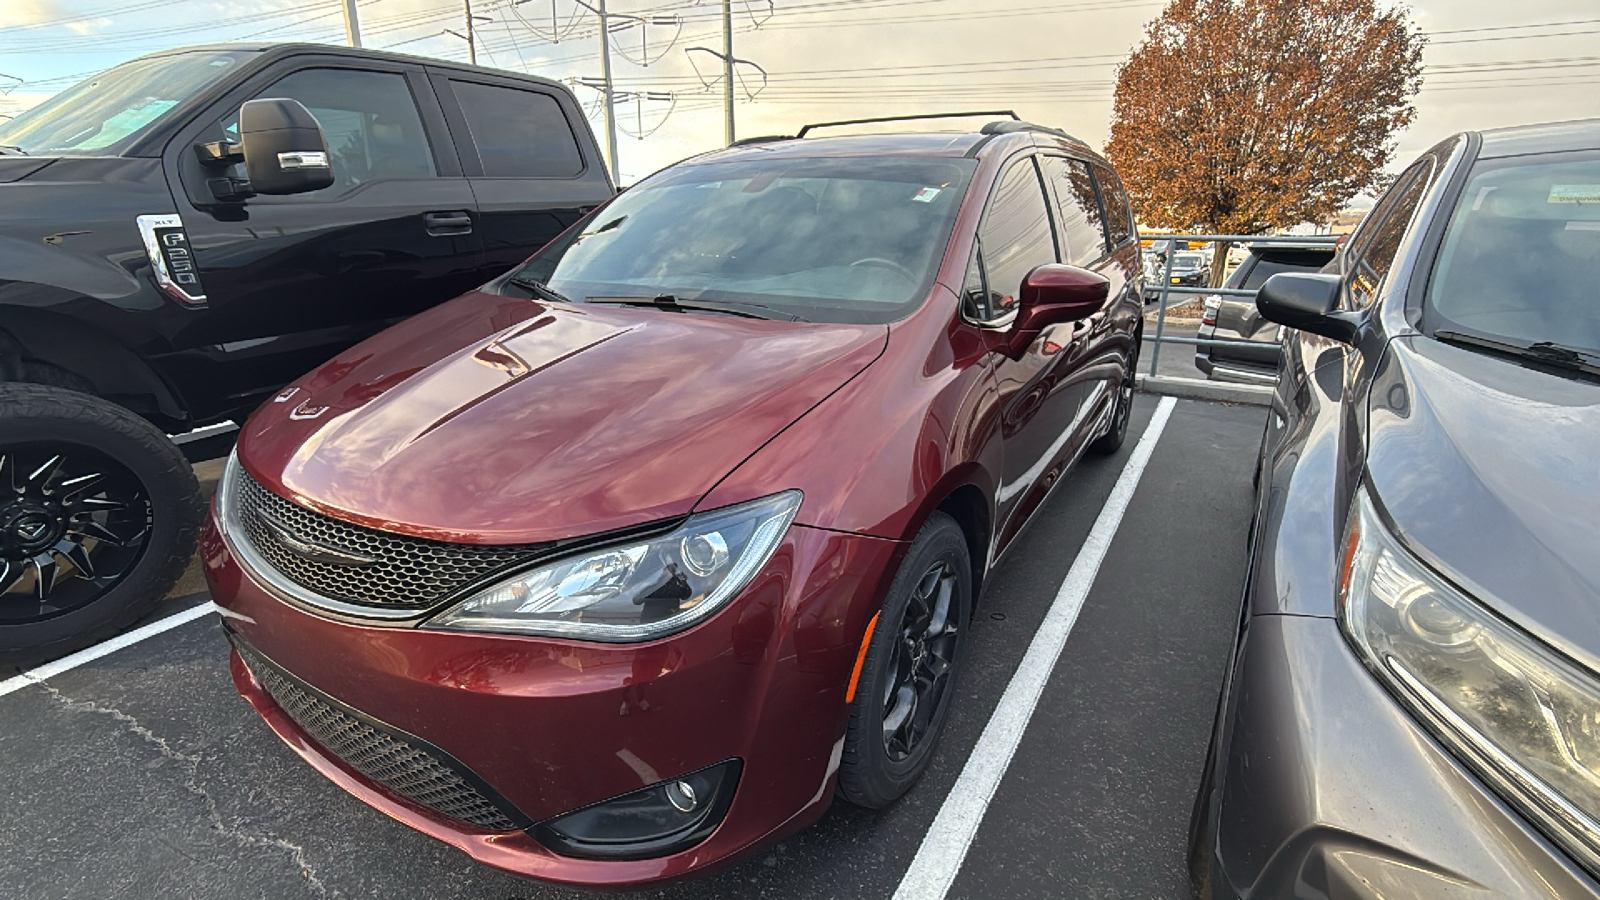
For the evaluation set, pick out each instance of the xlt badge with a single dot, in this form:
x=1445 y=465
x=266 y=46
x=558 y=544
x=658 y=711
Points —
x=172 y=259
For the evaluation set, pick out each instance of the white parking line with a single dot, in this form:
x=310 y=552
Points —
x=945 y=845
x=67 y=663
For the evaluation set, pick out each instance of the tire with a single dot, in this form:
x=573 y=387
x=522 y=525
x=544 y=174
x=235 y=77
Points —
x=94 y=539
x=1111 y=441
x=876 y=769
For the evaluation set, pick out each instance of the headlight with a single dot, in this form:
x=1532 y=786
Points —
x=638 y=591
x=1527 y=719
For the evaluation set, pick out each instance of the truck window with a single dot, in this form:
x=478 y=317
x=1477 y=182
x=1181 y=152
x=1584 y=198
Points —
x=370 y=120
x=519 y=134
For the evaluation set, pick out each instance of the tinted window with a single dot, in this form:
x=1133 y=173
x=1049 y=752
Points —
x=369 y=119
x=1015 y=238
x=1119 y=218
x=840 y=240
x=519 y=134
x=114 y=106
x=1078 y=212
x=1370 y=263
x=1256 y=271
x=1521 y=255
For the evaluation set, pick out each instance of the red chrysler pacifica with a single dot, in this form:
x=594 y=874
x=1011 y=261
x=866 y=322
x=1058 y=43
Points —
x=631 y=560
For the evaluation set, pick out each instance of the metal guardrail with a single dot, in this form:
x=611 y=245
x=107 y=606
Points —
x=1167 y=290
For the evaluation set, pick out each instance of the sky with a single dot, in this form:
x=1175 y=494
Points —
x=1489 y=63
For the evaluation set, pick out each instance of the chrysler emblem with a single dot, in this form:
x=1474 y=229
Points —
x=310 y=550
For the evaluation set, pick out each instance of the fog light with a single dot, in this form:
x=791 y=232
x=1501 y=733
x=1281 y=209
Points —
x=658 y=820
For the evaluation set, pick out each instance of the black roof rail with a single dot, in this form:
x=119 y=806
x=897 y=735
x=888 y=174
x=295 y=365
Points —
x=762 y=139
x=948 y=115
x=1011 y=127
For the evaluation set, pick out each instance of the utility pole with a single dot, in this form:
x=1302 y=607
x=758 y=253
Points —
x=352 y=27
x=472 y=45
x=607 y=91
x=727 y=66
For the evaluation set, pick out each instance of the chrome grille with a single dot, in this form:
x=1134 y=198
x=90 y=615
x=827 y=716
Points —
x=403 y=764
x=405 y=572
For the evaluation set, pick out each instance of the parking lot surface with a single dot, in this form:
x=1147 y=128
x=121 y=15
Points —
x=143 y=774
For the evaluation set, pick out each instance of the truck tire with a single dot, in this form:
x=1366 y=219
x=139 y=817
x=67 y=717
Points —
x=99 y=516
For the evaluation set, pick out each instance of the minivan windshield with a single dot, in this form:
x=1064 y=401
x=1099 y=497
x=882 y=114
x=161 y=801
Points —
x=95 y=115
x=1520 y=261
x=824 y=240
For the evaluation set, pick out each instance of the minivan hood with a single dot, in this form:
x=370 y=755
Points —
x=1489 y=471
x=500 y=420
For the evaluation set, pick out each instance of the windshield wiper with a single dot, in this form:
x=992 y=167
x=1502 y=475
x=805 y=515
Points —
x=677 y=304
x=1548 y=353
x=14 y=149
x=538 y=289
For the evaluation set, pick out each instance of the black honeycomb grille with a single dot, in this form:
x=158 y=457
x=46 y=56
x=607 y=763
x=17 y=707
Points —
x=400 y=764
x=406 y=572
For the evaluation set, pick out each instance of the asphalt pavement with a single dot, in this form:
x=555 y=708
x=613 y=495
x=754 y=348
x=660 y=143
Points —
x=143 y=774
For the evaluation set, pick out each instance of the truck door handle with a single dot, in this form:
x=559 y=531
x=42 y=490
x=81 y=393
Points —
x=445 y=224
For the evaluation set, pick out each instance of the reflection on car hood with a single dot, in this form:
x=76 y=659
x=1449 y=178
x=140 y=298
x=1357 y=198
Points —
x=500 y=420
x=1489 y=471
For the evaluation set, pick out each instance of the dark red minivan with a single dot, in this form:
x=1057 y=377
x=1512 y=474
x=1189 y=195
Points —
x=631 y=560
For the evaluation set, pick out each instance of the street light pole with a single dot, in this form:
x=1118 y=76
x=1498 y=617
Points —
x=727 y=66
x=472 y=45
x=606 y=91
x=352 y=27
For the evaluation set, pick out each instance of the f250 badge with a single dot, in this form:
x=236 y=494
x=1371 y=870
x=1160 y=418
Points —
x=172 y=259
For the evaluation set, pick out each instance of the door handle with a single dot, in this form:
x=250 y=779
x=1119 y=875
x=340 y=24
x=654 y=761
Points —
x=445 y=224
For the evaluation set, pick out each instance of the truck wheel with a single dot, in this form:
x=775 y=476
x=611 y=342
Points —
x=99 y=515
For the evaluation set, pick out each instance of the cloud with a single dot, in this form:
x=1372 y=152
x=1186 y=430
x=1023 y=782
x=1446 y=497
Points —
x=30 y=12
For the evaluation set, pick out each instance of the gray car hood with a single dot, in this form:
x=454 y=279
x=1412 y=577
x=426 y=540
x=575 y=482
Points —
x=1490 y=471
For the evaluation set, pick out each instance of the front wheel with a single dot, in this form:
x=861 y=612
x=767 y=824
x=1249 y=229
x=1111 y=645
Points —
x=908 y=674
x=99 y=515
x=1111 y=441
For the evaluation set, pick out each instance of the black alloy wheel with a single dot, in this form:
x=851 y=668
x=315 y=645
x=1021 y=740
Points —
x=99 y=516
x=73 y=522
x=909 y=671
x=1111 y=441
x=923 y=655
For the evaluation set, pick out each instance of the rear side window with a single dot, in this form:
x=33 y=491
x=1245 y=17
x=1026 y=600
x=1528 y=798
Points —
x=1078 y=221
x=370 y=121
x=1119 y=216
x=1370 y=264
x=1014 y=239
x=519 y=134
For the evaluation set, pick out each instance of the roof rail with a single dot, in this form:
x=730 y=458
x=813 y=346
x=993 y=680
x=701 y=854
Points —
x=762 y=139
x=949 y=115
x=1010 y=127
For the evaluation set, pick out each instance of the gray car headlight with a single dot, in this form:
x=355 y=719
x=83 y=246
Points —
x=1524 y=717
x=637 y=591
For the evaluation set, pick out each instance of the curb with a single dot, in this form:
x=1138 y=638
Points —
x=1201 y=389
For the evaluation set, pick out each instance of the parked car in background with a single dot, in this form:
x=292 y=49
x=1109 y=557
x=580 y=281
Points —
x=1411 y=706
x=637 y=555
x=1237 y=319
x=181 y=237
x=1189 y=269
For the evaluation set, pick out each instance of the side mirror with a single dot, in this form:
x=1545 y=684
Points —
x=284 y=150
x=1054 y=293
x=1309 y=302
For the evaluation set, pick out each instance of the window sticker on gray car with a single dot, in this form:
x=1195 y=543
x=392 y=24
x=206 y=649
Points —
x=1575 y=193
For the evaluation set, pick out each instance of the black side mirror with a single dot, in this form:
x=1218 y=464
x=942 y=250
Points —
x=1309 y=302
x=284 y=150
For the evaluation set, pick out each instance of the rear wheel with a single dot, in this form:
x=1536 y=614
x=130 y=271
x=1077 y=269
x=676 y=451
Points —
x=99 y=515
x=908 y=674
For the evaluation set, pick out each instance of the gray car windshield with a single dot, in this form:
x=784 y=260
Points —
x=1520 y=261
x=96 y=116
x=825 y=240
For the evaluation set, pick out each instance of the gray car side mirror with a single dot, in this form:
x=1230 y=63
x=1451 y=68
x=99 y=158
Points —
x=1310 y=302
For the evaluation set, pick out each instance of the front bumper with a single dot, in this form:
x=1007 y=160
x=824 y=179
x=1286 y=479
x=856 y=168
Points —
x=1320 y=785
x=550 y=726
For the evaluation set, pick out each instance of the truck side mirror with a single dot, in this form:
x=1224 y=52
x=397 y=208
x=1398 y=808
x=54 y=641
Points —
x=284 y=149
x=1310 y=302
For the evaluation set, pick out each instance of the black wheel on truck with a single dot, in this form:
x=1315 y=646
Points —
x=99 y=516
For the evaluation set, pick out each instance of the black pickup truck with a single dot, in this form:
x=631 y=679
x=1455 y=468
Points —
x=183 y=234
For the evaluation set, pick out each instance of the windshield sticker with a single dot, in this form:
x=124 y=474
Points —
x=128 y=121
x=925 y=195
x=1583 y=226
x=1575 y=193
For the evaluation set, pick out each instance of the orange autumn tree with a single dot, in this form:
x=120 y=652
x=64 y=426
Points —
x=1240 y=116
